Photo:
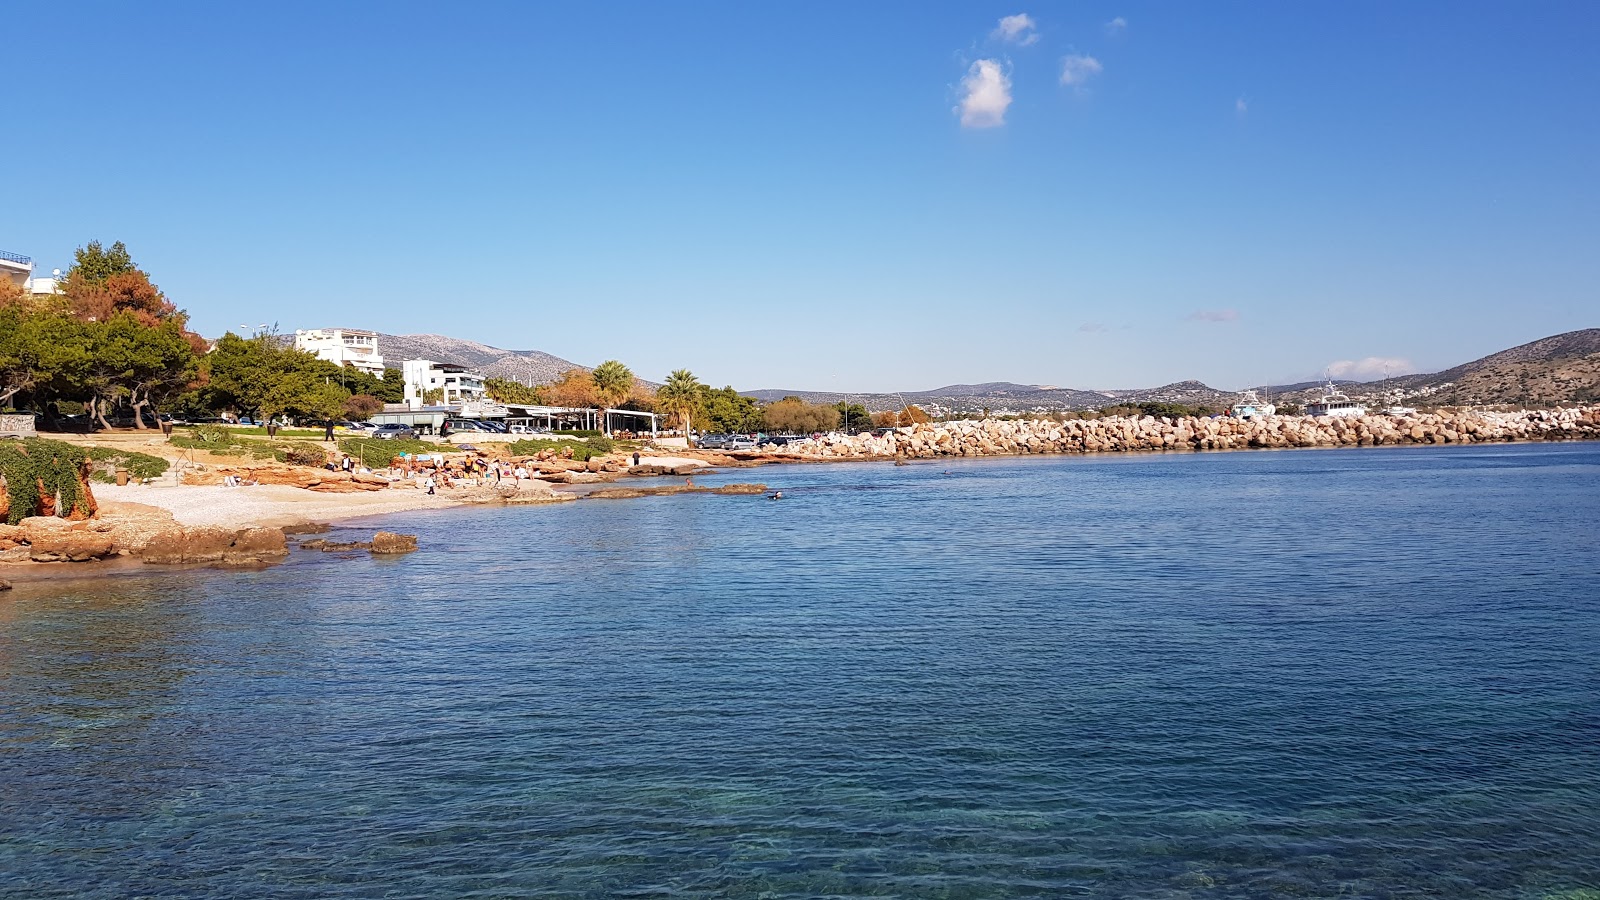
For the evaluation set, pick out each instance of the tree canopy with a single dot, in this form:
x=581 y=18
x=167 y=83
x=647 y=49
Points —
x=727 y=410
x=791 y=414
x=613 y=382
x=574 y=388
x=680 y=395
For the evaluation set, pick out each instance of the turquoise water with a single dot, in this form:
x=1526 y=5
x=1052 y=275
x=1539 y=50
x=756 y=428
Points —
x=1369 y=673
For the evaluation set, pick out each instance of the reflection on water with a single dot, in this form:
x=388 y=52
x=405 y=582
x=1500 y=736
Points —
x=1363 y=673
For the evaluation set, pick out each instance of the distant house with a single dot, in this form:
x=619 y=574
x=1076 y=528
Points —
x=343 y=347
x=457 y=384
x=18 y=269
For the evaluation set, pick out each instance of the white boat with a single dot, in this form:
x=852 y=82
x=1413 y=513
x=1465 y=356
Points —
x=1400 y=411
x=1250 y=407
x=1336 y=403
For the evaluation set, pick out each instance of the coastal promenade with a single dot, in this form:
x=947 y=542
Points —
x=993 y=437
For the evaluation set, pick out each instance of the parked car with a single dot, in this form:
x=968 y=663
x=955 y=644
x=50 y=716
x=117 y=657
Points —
x=529 y=429
x=393 y=430
x=739 y=442
x=779 y=440
x=712 y=441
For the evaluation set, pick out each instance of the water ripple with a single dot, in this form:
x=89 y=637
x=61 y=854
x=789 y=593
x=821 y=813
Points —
x=1353 y=673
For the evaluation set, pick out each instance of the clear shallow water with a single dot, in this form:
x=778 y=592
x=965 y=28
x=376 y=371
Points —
x=1317 y=673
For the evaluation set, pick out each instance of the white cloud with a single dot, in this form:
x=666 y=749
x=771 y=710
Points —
x=1116 y=26
x=1017 y=29
x=1214 y=315
x=1077 y=69
x=1370 y=368
x=985 y=94
x=1241 y=106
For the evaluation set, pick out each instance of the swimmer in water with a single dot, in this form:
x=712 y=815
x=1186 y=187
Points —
x=776 y=495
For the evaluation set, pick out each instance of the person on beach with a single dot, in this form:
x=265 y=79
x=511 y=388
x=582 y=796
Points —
x=428 y=483
x=327 y=433
x=521 y=473
x=636 y=457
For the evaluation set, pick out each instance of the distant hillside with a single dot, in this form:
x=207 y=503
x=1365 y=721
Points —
x=1563 y=368
x=526 y=366
x=1001 y=397
x=1559 y=369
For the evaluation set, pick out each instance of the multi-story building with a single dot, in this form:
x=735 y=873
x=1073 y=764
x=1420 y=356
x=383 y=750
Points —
x=16 y=268
x=344 y=347
x=455 y=383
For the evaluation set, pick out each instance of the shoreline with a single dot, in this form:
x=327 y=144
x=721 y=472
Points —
x=131 y=514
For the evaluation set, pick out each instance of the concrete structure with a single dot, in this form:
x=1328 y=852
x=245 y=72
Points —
x=343 y=347
x=16 y=268
x=16 y=425
x=48 y=284
x=457 y=384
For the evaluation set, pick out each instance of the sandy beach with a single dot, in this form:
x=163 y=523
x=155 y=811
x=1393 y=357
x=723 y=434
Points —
x=267 y=504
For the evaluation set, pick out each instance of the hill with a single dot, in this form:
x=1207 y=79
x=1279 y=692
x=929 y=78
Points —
x=1562 y=368
x=526 y=366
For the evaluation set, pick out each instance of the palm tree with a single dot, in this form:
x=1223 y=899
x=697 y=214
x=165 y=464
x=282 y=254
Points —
x=680 y=394
x=614 y=382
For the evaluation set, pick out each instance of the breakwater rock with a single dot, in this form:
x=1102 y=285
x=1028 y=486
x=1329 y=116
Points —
x=993 y=437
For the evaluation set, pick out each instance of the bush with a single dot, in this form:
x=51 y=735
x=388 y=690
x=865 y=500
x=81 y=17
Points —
x=581 y=450
x=303 y=455
x=377 y=454
x=25 y=464
x=139 y=465
x=211 y=436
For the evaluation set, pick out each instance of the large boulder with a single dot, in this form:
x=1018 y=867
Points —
x=70 y=545
x=217 y=546
x=386 y=543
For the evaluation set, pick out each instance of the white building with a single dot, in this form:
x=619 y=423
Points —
x=343 y=347
x=16 y=268
x=423 y=375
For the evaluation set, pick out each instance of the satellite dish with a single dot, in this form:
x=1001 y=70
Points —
x=56 y=272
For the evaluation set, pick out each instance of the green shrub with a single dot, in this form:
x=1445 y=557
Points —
x=139 y=465
x=27 y=463
x=376 y=454
x=302 y=455
x=581 y=450
x=211 y=436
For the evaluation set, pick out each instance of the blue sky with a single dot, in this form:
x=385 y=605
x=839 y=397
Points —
x=838 y=196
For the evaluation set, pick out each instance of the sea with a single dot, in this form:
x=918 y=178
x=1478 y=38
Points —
x=1313 y=673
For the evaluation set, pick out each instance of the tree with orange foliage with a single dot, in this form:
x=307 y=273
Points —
x=575 y=388
x=104 y=282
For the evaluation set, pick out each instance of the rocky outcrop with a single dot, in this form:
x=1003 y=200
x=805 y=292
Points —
x=304 y=477
x=509 y=491
x=384 y=543
x=992 y=437
x=387 y=543
x=49 y=539
x=657 y=490
x=217 y=546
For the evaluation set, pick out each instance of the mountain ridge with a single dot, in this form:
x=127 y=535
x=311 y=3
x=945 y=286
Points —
x=1555 y=369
